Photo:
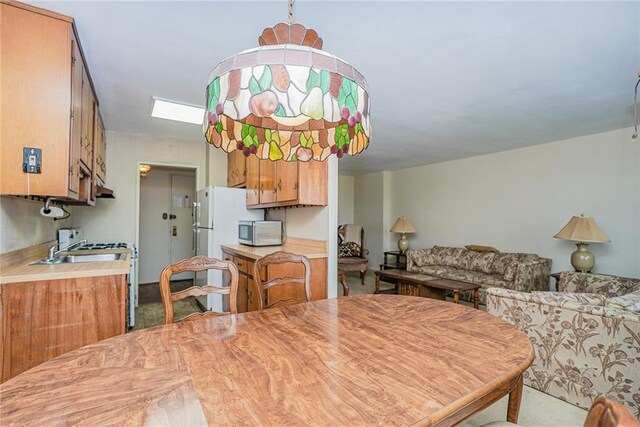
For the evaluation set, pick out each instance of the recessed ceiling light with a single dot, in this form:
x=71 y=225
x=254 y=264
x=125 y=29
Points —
x=170 y=110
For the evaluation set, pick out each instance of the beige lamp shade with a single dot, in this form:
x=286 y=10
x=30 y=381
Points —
x=402 y=225
x=582 y=229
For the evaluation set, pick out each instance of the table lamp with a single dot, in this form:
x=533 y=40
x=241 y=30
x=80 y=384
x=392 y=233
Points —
x=404 y=226
x=582 y=230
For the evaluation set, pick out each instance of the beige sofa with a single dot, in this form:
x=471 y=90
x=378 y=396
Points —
x=586 y=337
x=516 y=271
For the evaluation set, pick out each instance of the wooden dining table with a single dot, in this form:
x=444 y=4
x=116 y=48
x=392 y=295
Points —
x=358 y=360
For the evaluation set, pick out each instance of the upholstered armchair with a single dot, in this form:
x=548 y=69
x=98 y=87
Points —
x=352 y=256
x=586 y=336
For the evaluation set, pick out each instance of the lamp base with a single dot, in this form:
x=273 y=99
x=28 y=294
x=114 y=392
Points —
x=403 y=243
x=582 y=260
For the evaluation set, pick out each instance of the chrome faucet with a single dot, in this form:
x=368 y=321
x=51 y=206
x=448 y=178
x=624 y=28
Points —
x=53 y=252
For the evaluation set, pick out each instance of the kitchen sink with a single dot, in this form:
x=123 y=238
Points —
x=74 y=259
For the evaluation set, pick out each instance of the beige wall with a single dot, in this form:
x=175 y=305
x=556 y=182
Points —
x=21 y=224
x=517 y=200
x=371 y=210
x=345 y=199
x=216 y=166
x=115 y=219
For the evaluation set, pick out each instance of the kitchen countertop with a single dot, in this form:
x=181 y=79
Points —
x=21 y=271
x=309 y=248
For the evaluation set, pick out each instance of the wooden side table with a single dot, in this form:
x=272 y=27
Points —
x=398 y=261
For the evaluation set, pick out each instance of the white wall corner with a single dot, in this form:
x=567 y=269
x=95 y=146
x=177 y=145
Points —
x=332 y=228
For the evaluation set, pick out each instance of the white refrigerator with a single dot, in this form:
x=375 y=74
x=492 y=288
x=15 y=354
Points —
x=216 y=213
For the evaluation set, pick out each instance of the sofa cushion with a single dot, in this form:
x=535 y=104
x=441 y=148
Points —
x=447 y=256
x=482 y=262
x=421 y=257
x=628 y=302
x=506 y=264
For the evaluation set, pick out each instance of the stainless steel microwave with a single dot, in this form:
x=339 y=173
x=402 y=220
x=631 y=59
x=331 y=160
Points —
x=260 y=233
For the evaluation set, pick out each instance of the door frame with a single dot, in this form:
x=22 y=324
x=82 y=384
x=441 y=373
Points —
x=191 y=167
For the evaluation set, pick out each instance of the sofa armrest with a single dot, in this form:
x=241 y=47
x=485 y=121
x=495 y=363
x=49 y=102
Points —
x=499 y=298
x=416 y=254
x=610 y=286
x=532 y=275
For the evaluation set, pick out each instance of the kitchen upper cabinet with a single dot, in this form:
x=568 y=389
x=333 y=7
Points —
x=52 y=109
x=236 y=169
x=253 y=180
x=283 y=184
x=287 y=185
x=267 y=181
x=88 y=122
x=100 y=146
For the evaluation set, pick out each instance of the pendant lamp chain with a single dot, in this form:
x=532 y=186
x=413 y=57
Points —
x=291 y=20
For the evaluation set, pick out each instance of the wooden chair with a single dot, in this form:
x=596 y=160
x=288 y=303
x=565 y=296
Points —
x=197 y=263
x=279 y=291
x=607 y=413
x=342 y=279
x=351 y=233
x=604 y=412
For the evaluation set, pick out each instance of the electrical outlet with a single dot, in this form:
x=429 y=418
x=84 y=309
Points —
x=31 y=160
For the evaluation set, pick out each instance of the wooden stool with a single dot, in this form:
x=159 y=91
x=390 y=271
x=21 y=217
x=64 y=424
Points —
x=342 y=279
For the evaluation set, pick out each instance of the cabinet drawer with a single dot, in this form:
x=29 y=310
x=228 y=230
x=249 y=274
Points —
x=242 y=264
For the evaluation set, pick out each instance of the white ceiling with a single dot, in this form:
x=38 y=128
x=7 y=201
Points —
x=447 y=79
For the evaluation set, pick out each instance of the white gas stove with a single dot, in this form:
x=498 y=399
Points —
x=68 y=238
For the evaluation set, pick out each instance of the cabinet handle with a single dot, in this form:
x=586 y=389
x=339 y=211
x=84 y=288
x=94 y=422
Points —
x=279 y=184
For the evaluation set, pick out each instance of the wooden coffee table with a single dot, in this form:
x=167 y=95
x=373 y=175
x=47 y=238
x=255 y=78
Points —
x=422 y=285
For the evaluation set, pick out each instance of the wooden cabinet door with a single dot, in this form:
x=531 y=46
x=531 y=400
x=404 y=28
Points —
x=75 y=143
x=99 y=157
x=236 y=169
x=267 y=181
x=312 y=183
x=253 y=180
x=35 y=65
x=242 y=300
x=88 y=119
x=287 y=185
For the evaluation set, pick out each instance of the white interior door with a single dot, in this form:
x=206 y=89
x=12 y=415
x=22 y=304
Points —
x=155 y=191
x=166 y=234
x=181 y=240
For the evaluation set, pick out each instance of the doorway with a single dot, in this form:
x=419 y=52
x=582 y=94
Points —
x=165 y=221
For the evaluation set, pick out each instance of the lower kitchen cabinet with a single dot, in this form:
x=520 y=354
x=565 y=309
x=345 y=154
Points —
x=247 y=292
x=47 y=318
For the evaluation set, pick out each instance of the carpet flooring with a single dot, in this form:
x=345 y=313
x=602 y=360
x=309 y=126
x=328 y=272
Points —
x=150 y=313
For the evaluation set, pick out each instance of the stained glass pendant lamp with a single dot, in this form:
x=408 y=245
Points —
x=287 y=99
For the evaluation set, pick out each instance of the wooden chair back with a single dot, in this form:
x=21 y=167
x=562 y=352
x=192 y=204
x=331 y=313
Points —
x=268 y=293
x=607 y=413
x=198 y=263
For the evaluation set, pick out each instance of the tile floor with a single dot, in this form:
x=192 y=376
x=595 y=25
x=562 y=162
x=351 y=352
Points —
x=537 y=409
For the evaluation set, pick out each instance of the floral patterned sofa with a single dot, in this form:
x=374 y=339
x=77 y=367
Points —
x=586 y=336
x=517 y=271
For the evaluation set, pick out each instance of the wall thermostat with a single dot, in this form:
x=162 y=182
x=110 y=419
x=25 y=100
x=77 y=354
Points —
x=31 y=160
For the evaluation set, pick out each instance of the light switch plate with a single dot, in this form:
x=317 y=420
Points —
x=31 y=160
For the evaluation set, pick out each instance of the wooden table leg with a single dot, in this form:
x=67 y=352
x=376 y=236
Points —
x=456 y=297
x=513 y=409
x=475 y=299
x=377 y=291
